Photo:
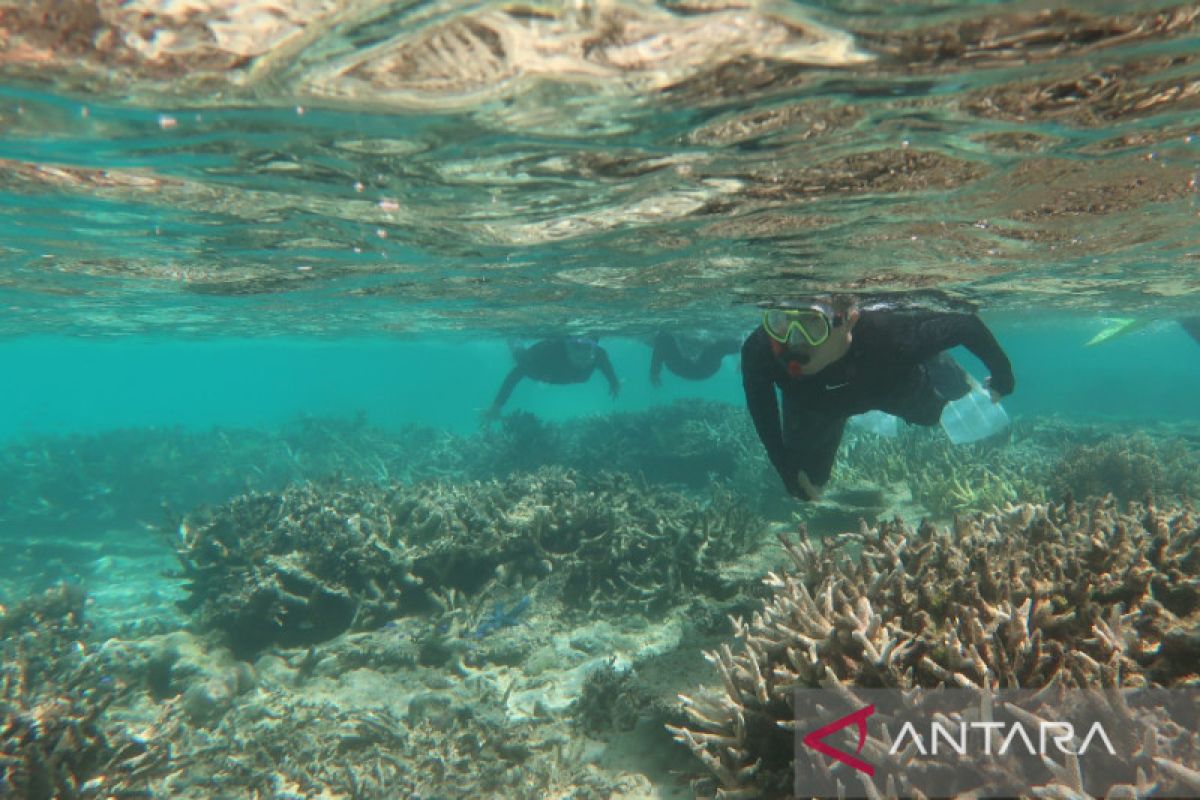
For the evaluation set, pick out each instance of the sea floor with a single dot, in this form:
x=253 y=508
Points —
x=511 y=684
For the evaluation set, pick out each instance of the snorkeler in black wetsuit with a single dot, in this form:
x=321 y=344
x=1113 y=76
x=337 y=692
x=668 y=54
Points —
x=698 y=359
x=893 y=362
x=560 y=360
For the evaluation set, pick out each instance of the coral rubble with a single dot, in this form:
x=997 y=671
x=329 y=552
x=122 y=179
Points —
x=1092 y=596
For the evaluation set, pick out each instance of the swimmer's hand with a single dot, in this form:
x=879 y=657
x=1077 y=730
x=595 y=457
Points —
x=811 y=492
x=991 y=390
x=802 y=488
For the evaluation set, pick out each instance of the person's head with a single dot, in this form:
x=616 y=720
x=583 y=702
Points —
x=811 y=335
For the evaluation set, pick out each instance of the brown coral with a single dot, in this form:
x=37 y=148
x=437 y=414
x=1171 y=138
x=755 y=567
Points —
x=304 y=565
x=54 y=741
x=1027 y=597
x=1129 y=466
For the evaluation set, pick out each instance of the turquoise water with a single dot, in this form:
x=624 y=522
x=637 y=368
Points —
x=437 y=382
x=75 y=385
x=263 y=265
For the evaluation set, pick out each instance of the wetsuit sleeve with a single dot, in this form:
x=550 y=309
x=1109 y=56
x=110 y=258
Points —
x=605 y=366
x=506 y=389
x=937 y=332
x=764 y=406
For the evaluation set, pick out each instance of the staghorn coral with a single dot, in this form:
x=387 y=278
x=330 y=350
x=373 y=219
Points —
x=52 y=481
x=127 y=475
x=949 y=479
x=54 y=740
x=306 y=564
x=688 y=443
x=1031 y=596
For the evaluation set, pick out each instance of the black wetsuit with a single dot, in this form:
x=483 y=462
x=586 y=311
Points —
x=1192 y=326
x=894 y=364
x=702 y=363
x=560 y=360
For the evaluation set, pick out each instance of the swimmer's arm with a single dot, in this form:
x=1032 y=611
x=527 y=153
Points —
x=936 y=332
x=506 y=389
x=610 y=375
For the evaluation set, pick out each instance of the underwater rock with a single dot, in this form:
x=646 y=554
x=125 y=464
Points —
x=1029 y=596
x=206 y=702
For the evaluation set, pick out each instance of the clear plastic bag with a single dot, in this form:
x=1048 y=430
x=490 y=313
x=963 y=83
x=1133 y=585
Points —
x=877 y=422
x=973 y=416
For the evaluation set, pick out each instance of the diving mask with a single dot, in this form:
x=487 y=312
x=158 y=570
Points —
x=810 y=324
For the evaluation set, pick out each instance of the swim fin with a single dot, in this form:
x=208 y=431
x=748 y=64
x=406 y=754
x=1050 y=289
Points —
x=1117 y=328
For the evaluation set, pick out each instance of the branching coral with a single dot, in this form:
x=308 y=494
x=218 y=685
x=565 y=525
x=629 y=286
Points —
x=690 y=444
x=1030 y=596
x=53 y=740
x=950 y=479
x=306 y=564
x=127 y=476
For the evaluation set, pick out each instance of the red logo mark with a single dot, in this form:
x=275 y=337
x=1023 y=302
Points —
x=815 y=739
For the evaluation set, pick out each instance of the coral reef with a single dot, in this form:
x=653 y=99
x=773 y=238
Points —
x=52 y=481
x=611 y=700
x=948 y=479
x=686 y=443
x=454 y=636
x=54 y=742
x=320 y=722
x=125 y=477
x=1031 y=596
x=306 y=564
x=1129 y=466
x=691 y=445
x=365 y=715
